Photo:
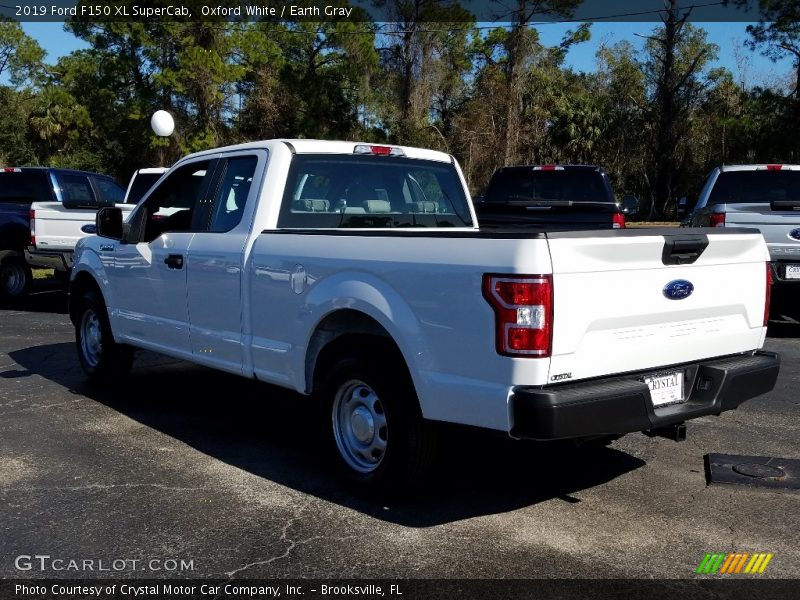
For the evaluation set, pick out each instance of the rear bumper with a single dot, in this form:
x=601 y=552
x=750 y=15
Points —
x=623 y=405
x=60 y=260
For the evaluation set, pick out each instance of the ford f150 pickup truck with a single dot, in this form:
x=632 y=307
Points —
x=20 y=188
x=765 y=197
x=566 y=197
x=358 y=273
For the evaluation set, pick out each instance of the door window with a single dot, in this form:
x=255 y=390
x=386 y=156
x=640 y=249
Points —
x=174 y=205
x=76 y=189
x=110 y=191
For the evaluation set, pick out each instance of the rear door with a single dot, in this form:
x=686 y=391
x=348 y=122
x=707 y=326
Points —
x=215 y=262
x=639 y=299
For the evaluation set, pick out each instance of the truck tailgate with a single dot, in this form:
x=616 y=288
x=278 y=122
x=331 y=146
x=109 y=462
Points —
x=775 y=225
x=612 y=307
x=59 y=228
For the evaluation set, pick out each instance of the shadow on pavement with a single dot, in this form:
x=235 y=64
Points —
x=46 y=296
x=783 y=327
x=274 y=433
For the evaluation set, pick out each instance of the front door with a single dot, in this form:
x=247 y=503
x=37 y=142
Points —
x=149 y=305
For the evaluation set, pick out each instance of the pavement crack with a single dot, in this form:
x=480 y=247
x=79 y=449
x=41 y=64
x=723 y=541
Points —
x=284 y=538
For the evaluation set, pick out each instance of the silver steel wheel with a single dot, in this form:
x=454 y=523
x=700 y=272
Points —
x=91 y=338
x=359 y=426
x=13 y=278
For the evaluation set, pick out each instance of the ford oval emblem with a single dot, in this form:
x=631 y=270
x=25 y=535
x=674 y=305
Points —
x=678 y=289
x=795 y=234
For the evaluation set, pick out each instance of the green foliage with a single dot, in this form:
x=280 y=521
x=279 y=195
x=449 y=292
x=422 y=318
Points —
x=20 y=55
x=429 y=78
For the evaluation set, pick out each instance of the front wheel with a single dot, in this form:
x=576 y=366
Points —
x=375 y=429
x=15 y=278
x=101 y=357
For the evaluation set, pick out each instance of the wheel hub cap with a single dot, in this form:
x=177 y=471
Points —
x=363 y=425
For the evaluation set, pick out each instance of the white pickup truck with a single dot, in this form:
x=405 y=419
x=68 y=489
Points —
x=358 y=273
x=57 y=226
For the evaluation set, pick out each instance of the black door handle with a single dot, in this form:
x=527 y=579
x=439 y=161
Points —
x=174 y=261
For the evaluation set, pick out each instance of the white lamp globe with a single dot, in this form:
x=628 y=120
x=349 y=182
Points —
x=162 y=123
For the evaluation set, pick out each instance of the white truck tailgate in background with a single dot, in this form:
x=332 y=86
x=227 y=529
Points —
x=59 y=228
x=611 y=314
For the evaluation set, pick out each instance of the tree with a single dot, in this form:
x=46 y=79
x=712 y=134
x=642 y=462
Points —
x=520 y=48
x=778 y=33
x=423 y=59
x=677 y=54
x=20 y=55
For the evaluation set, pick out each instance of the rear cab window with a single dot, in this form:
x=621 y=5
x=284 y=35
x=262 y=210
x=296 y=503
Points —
x=531 y=186
x=326 y=191
x=25 y=187
x=756 y=187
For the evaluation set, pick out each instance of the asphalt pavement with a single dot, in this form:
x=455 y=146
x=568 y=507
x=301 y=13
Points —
x=182 y=471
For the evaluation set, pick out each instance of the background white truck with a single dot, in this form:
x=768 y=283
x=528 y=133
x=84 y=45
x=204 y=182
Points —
x=57 y=226
x=358 y=273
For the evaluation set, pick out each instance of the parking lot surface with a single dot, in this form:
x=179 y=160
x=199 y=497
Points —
x=190 y=472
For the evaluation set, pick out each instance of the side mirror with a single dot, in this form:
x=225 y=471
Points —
x=629 y=205
x=109 y=223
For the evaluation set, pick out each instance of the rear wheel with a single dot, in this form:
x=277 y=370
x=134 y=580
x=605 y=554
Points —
x=15 y=278
x=374 y=426
x=101 y=357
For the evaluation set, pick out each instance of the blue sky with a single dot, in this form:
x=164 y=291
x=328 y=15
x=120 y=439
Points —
x=757 y=70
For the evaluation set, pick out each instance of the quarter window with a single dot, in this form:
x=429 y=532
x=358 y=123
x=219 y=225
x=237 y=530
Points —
x=232 y=194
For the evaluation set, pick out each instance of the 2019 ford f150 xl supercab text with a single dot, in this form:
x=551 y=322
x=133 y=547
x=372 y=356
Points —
x=358 y=273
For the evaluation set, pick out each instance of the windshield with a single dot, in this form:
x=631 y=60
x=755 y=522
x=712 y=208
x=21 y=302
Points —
x=141 y=185
x=753 y=187
x=332 y=191
x=528 y=185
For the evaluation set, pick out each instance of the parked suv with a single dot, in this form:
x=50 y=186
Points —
x=765 y=197
x=22 y=186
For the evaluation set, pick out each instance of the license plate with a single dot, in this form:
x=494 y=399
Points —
x=666 y=388
x=792 y=271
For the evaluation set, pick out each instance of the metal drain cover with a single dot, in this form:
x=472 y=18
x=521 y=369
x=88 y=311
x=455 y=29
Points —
x=755 y=471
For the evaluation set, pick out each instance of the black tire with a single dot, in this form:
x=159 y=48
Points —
x=374 y=429
x=100 y=356
x=15 y=278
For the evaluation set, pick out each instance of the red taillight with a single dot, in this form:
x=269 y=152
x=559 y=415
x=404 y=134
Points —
x=32 y=216
x=716 y=220
x=618 y=221
x=523 y=308
x=768 y=295
x=378 y=150
x=774 y=167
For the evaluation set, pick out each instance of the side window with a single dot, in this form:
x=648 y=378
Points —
x=109 y=191
x=172 y=205
x=75 y=189
x=232 y=193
